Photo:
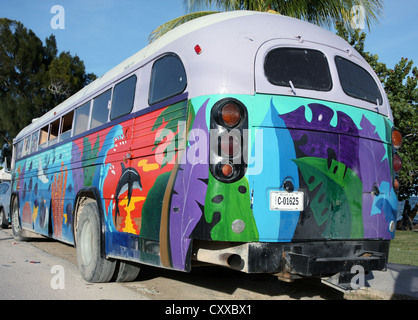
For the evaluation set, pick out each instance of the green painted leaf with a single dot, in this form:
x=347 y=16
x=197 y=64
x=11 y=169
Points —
x=231 y=201
x=336 y=196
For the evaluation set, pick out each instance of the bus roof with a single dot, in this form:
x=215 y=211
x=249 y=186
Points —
x=262 y=26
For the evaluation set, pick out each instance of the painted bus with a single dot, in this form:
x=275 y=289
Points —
x=249 y=140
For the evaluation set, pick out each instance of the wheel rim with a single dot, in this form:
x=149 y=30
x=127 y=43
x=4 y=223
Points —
x=86 y=243
x=1 y=218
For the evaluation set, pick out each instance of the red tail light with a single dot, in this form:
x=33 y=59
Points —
x=228 y=140
x=397 y=163
x=230 y=145
x=396 y=184
x=231 y=114
x=396 y=139
x=227 y=170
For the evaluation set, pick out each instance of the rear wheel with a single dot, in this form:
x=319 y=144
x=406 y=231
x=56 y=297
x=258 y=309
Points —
x=93 y=267
x=127 y=271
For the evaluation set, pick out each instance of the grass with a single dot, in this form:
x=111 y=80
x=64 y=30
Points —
x=404 y=248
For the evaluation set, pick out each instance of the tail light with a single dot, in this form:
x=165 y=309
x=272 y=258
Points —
x=228 y=140
x=231 y=114
x=396 y=139
x=397 y=163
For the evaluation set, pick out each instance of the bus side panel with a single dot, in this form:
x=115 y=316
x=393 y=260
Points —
x=46 y=193
x=138 y=184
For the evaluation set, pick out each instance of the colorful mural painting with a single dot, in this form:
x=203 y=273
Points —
x=158 y=194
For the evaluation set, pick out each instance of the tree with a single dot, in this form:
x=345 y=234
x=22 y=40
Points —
x=321 y=12
x=66 y=75
x=400 y=84
x=27 y=70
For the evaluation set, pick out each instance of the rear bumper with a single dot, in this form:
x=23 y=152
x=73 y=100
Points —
x=315 y=258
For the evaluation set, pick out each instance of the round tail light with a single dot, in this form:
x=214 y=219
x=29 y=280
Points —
x=231 y=114
x=396 y=139
x=396 y=184
x=227 y=170
x=230 y=145
x=397 y=163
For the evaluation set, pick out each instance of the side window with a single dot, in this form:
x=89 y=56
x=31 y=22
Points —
x=66 y=126
x=302 y=68
x=100 y=111
x=168 y=78
x=82 y=118
x=34 y=141
x=43 y=137
x=19 y=149
x=53 y=132
x=123 y=98
x=357 y=82
x=26 y=147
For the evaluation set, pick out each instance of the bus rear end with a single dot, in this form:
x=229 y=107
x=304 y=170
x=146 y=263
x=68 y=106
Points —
x=302 y=173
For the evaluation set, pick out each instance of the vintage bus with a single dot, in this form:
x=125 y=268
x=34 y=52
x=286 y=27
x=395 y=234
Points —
x=249 y=140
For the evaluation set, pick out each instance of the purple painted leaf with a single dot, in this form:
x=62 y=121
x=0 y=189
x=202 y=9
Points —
x=318 y=138
x=189 y=189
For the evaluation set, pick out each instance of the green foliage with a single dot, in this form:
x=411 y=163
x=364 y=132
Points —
x=400 y=84
x=33 y=77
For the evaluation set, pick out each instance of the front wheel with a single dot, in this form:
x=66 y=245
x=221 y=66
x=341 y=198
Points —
x=4 y=223
x=18 y=233
x=93 y=267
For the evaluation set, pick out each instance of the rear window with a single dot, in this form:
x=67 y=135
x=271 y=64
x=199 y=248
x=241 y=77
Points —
x=303 y=68
x=357 y=82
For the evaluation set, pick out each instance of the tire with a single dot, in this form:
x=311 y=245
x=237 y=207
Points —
x=4 y=222
x=18 y=233
x=93 y=267
x=127 y=271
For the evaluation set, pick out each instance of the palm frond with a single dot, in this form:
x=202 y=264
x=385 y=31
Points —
x=326 y=13
x=170 y=25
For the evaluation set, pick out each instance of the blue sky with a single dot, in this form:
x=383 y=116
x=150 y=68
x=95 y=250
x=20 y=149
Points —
x=103 y=33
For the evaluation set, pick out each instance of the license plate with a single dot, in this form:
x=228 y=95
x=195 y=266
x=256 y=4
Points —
x=286 y=201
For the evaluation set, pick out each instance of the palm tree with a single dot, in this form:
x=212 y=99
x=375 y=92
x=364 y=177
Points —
x=324 y=13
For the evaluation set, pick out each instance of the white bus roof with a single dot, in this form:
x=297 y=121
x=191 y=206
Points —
x=260 y=26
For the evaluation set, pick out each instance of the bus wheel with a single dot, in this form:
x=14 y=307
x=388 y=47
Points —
x=18 y=232
x=127 y=271
x=93 y=267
